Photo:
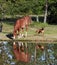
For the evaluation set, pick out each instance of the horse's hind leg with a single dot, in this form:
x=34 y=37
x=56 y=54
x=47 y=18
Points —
x=21 y=32
x=26 y=31
x=17 y=32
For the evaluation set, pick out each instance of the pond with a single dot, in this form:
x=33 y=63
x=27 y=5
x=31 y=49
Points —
x=19 y=53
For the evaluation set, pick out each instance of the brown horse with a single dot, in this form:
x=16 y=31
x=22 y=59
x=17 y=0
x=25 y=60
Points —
x=21 y=24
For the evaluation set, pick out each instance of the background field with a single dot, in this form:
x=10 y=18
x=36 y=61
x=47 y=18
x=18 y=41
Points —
x=50 y=31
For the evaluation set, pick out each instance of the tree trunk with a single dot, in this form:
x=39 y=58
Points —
x=37 y=18
x=45 y=16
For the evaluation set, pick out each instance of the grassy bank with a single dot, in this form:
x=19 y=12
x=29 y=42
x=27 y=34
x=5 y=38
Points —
x=50 y=30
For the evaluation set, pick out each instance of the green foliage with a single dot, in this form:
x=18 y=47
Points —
x=52 y=10
x=28 y=7
x=15 y=7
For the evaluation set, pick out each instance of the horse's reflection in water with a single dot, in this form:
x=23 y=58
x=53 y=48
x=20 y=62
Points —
x=19 y=51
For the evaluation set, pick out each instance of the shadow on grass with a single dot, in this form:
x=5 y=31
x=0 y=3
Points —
x=10 y=35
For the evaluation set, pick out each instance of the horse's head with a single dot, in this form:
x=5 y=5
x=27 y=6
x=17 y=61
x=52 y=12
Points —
x=28 y=20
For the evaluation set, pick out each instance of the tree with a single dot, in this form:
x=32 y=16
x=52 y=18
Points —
x=46 y=7
x=14 y=7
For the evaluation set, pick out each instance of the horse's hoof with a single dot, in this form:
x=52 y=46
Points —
x=13 y=37
x=22 y=35
x=19 y=37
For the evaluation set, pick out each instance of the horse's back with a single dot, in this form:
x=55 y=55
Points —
x=23 y=21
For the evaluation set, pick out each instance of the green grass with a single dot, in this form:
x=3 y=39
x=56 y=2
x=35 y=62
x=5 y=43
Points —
x=50 y=30
x=7 y=27
x=39 y=24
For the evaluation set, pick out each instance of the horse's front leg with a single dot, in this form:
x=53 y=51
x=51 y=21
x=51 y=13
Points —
x=14 y=34
x=22 y=32
x=19 y=33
